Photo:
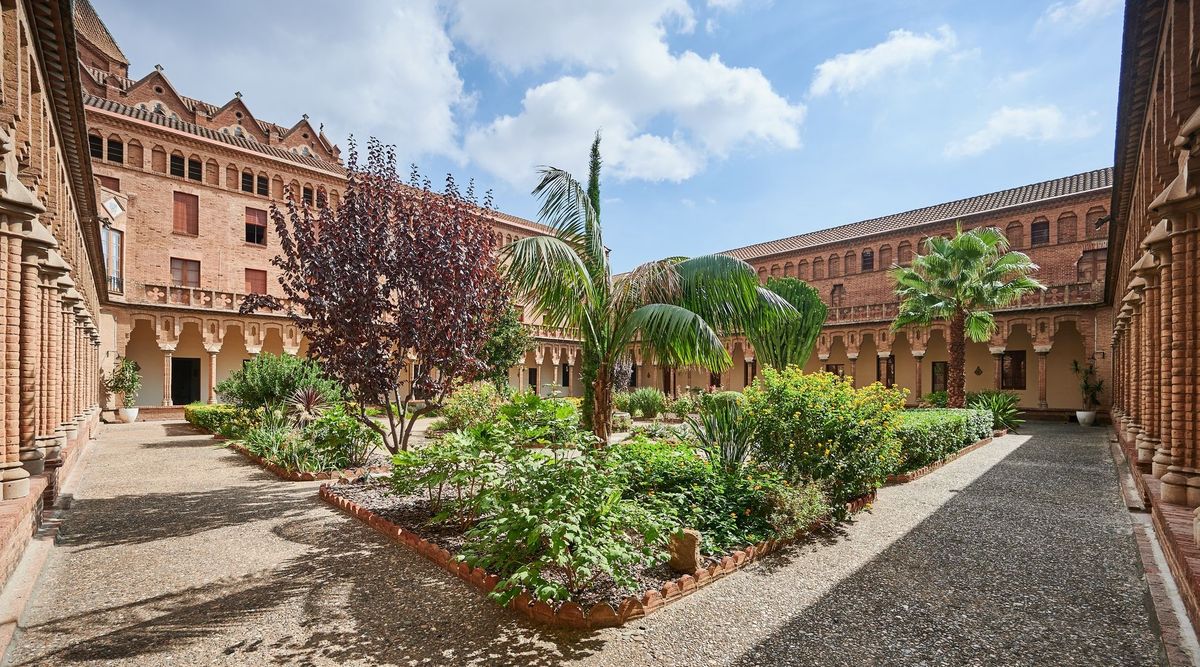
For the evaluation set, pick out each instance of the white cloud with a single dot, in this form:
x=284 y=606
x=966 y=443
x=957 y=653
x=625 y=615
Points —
x=727 y=5
x=663 y=115
x=1042 y=124
x=848 y=72
x=1077 y=13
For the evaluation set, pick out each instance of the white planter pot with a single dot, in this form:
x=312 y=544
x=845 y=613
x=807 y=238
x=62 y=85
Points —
x=1085 y=417
x=128 y=415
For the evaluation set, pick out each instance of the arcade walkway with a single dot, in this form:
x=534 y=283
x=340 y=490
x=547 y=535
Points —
x=177 y=552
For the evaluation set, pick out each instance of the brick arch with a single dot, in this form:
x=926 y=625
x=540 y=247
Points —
x=1068 y=227
x=849 y=263
x=818 y=268
x=904 y=253
x=212 y=172
x=232 y=174
x=789 y=269
x=276 y=187
x=883 y=259
x=835 y=266
x=1015 y=231
x=135 y=155
x=158 y=159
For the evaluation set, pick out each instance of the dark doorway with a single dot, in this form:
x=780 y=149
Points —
x=533 y=385
x=668 y=381
x=185 y=380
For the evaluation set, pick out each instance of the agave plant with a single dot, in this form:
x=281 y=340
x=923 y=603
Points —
x=724 y=434
x=305 y=405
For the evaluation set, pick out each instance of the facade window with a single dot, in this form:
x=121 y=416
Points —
x=263 y=185
x=307 y=195
x=837 y=296
x=1068 y=228
x=187 y=214
x=96 y=146
x=195 y=170
x=818 y=268
x=256 y=281
x=885 y=257
x=837 y=369
x=109 y=182
x=868 y=260
x=185 y=272
x=566 y=375
x=904 y=253
x=1039 y=233
x=940 y=371
x=177 y=167
x=633 y=371
x=116 y=151
x=885 y=370
x=1016 y=234
x=802 y=270
x=1090 y=266
x=256 y=226
x=1012 y=370
x=835 y=266
x=113 y=241
x=247 y=182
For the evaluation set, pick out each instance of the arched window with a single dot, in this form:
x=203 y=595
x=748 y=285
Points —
x=885 y=257
x=850 y=261
x=1016 y=234
x=868 y=260
x=1068 y=227
x=116 y=149
x=1093 y=227
x=231 y=177
x=762 y=274
x=277 y=188
x=134 y=155
x=247 y=181
x=802 y=270
x=789 y=269
x=333 y=198
x=212 y=172
x=1039 y=232
x=178 y=164
x=904 y=253
x=818 y=269
x=96 y=146
x=262 y=185
x=835 y=266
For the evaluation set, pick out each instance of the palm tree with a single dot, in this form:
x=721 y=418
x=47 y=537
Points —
x=675 y=308
x=782 y=343
x=961 y=281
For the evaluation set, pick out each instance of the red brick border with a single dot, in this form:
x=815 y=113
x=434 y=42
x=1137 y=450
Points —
x=570 y=614
x=295 y=475
x=904 y=478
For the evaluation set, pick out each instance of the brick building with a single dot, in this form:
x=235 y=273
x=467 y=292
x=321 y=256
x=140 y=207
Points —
x=1062 y=224
x=185 y=188
x=51 y=271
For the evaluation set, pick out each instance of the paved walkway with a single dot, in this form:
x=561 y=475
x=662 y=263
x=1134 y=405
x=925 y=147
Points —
x=177 y=552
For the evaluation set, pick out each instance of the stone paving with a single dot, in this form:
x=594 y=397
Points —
x=178 y=552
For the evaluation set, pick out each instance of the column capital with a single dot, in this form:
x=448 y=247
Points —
x=997 y=351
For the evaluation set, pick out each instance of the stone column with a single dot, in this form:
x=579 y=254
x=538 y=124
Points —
x=1041 y=353
x=36 y=243
x=918 y=357
x=997 y=366
x=167 y=353
x=212 y=373
x=70 y=299
x=853 y=368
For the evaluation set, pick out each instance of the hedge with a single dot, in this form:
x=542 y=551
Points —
x=929 y=435
x=214 y=418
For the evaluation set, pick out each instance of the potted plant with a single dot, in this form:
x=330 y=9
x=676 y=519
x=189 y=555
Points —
x=1091 y=388
x=126 y=380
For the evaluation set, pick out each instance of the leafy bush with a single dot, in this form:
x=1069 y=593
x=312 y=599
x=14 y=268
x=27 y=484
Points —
x=125 y=379
x=685 y=404
x=214 y=418
x=730 y=511
x=646 y=402
x=453 y=473
x=270 y=380
x=929 y=435
x=936 y=399
x=541 y=421
x=621 y=421
x=554 y=527
x=724 y=434
x=657 y=430
x=623 y=401
x=709 y=398
x=471 y=405
x=818 y=427
x=340 y=439
x=1002 y=405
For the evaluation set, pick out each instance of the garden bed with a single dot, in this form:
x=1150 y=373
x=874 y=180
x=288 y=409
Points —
x=912 y=475
x=302 y=476
x=404 y=520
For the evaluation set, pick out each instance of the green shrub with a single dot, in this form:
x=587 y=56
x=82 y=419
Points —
x=269 y=381
x=621 y=421
x=1002 y=405
x=471 y=405
x=817 y=427
x=542 y=422
x=730 y=511
x=936 y=399
x=554 y=527
x=340 y=439
x=623 y=401
x=125 y=379
x=929 y=435
x=657 y=430
x=454 y=473
x=685 y=404
x=214 y=418
x=709 y=398
x=724 y=433
x=646 y=402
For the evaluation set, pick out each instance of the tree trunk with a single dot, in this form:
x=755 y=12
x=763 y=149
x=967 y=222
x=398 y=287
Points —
x=957 y=388
x=602 y=404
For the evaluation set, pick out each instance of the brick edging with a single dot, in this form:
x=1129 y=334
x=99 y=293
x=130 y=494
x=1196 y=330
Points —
x=570 y=614
x=298 y=476
x=904 y=478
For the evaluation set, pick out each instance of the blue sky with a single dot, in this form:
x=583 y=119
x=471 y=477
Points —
x=725 y=122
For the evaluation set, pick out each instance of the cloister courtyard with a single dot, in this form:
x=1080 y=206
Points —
x=1022 y=552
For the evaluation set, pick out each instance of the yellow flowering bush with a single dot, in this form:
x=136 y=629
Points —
x=818 y=427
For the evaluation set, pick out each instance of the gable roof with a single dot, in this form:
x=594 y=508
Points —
x=1098 y=179
x=91 y=28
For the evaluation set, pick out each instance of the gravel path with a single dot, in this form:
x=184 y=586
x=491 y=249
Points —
x=177 y=552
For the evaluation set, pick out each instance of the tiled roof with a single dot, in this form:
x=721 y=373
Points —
x=89 y=25
x=212 y=135
x=1027 y=194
